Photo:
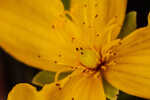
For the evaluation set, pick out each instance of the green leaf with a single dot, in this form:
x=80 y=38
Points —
x=66 y=4
x=63 y=75
x=46 y=77
x=43 y=77
x=129 y=24
x=110 y=91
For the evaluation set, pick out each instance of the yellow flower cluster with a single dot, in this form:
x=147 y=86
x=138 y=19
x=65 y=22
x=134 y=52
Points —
x=38 y=33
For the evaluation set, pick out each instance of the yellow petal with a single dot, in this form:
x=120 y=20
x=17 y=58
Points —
x=83 y=87
x=131 y=73
x=36 y=10
x=51 y=92
x=23 y=91
x=98 y=18
x=36 y=32
x=77 y=86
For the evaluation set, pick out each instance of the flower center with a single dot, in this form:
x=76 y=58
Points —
x=89 y=58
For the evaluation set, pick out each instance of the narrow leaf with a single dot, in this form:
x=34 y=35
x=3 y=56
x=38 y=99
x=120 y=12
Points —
x=129 y=24
x=66 y=4
x=46 y=77
x=43 y=77
x=63 y=75
x=110 y=91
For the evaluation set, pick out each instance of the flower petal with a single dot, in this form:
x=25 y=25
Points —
x=97 y=17
x=83 y=87
x=26 y=91
x=131 y=73
x=36 y=32
x=23 y=91
x=51 y=92
x=77 y=86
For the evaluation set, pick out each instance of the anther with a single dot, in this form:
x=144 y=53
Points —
x=57 y=84
x=96 y=5
x=81 y=53
x=59 y=55
x=85 y=5
x=55 y=62
x=96 y=15
x=73 y=38
x=97 y=35
x=53 y=26
x=77 y=49
x=81 y=48
x=103 y=68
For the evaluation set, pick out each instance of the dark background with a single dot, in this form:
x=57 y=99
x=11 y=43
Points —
x=13 y=72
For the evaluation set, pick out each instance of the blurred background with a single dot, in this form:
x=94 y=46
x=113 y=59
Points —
x=13 y=71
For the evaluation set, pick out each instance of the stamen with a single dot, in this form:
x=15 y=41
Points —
x=77 y=49
x=55 y=62
x=73 y=39
x=108 y=50
x=53 y=26
x=72 y=98
x=83 y=23
x=85 y=5
x=110 y=45
x=59 y=55
x=96 y=15
x=103 y=68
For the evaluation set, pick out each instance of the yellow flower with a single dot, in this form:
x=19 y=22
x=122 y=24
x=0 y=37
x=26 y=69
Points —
x=38 y=33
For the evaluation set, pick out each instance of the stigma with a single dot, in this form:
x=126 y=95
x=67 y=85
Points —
x=89 y=58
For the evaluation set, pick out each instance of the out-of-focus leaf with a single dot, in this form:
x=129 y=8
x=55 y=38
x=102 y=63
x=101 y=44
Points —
x=63 y=75
x=129 y=24
x=43 y=77
x=110 y=91
x=46 y=77
x=66 y=4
